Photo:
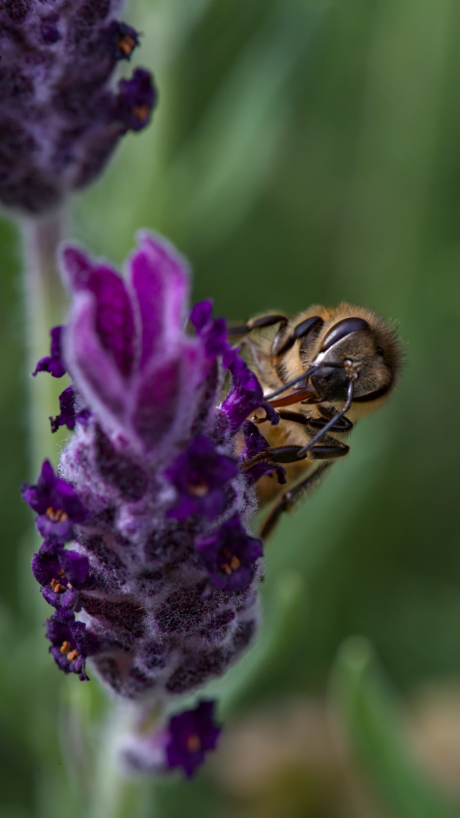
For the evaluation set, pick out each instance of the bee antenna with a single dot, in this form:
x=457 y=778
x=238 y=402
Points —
x=305 y=376
x=325 y=429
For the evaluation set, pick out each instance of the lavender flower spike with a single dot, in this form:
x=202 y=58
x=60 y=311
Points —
x=163 y=573
x=60 y=117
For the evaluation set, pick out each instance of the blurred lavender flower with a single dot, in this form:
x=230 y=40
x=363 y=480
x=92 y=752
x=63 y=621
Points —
x=163 y=570
x=183 y=742
x=60 y=118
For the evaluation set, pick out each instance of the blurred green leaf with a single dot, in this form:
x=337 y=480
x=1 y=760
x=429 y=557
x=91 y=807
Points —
x=372 y=719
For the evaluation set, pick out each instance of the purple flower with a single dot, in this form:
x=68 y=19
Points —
x=245 y=395
x=213 y=332
x=191 y=735
x=255 y=444
x=60 y=116
x=67 y=415
x=136 y=98
x=201 y=476
x=163 y=574
x=230 y=555
x=60 y=574
x=53 y=362
x=56 y=503
x=71 y=643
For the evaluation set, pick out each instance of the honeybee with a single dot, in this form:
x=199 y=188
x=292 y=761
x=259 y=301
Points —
x=322 y=370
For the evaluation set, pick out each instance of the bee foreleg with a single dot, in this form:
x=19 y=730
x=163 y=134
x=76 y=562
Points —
x=289 y=500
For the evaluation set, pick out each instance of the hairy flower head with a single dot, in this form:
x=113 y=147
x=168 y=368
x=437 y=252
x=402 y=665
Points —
x=163 y=572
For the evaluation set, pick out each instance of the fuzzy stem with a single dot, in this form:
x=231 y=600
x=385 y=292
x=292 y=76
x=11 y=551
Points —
x=44 y=306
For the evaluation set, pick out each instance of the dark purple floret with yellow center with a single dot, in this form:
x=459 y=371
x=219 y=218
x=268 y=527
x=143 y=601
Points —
x=164 y=572
x=190 y=736
x=57 y=504
x=71 y=643
x=61 y=113
x=60 y=573
x=201 y=476
x=230 y=556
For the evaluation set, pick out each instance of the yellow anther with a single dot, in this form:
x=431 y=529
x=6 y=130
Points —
x=194 y=743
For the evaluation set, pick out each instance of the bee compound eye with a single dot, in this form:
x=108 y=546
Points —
x=341 y=329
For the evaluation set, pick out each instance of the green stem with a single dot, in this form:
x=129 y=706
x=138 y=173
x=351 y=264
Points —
x=44 y=305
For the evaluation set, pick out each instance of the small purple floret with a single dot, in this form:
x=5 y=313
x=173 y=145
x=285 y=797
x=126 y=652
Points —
x=60 y=575
x=213 y=332
x=56 y=503
x=67 y=415
x=53 y=362
x=200 y=475
x=71 y=643
x=191 y=735
x=230 y=556
x=124 y=40
x=135 y=101
x=255 y=444
x=245 y=395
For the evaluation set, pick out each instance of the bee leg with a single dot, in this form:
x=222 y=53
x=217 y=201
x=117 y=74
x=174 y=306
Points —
x=329 y=452
x=300 y=331
x=258 y=323
x=290 y=499
x=280 y=454
x=342 y=425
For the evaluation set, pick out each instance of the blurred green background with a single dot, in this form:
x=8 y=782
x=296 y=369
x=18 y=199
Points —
x=303 y=151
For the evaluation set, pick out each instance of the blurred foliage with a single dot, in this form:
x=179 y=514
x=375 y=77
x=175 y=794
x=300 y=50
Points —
x=303 y=151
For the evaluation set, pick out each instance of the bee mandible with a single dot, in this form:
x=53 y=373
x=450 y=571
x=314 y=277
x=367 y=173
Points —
x=322 y=370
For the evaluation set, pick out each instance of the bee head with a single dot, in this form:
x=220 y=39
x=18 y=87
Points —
x=365 y=350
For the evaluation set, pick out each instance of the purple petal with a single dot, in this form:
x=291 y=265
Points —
x=135 y=100
x=160 y=279
x=200 y=476
x=158 y=402
x=53 y=363
x=229 y=555
x=213 y=332
x=191 y=734
x=167 y=396
x=201 y=315
x=124 y=40
x=255 y=444
x=245 y=395
x=56 y=532
x=114 y=322
x=99 y=379
x=67 y=416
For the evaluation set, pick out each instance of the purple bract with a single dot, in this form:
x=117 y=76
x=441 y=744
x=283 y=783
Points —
x=164 y=572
